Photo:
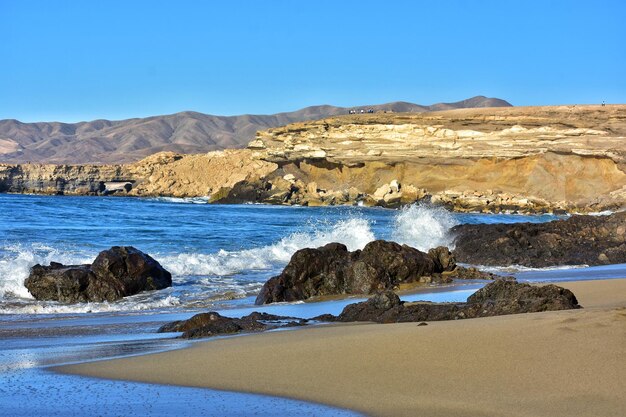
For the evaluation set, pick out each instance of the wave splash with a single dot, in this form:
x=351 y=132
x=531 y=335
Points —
x=16 y=261
x=354 y=232
x=424 y=227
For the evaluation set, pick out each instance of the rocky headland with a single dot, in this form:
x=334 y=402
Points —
x=524 y=159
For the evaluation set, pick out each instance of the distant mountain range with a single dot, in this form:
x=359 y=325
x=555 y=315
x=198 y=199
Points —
x=106 y=141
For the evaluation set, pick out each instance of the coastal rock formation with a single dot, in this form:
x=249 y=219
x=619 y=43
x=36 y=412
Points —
x=526 y=159
x=578 y=240
x=501 y=297
x=214 y=324
x=381 y=265
x=495 y=299
x=332 y=269
x=211 y=176
x=495 y=160
x=115 y=273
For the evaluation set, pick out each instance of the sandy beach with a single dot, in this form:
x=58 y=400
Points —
x=566 y=363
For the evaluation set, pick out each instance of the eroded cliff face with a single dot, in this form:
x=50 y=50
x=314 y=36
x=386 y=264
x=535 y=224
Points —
x=527 y=159
x=211 y=175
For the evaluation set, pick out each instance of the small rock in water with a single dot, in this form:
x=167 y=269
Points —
x=115 y=273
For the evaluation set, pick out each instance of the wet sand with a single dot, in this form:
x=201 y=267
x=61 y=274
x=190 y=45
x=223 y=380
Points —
x=542 y=364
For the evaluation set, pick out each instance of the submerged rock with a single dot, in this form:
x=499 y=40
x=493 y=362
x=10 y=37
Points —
x=497 y=298
x=332 y=270
x=589 y=240
x=115 y=273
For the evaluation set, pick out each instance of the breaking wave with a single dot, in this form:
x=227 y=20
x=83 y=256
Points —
x=204 y=278
x=16 y=261
x=354 y=232
x=424 y=227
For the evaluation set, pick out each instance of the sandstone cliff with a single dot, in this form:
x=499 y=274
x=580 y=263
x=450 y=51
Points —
x=493 y=159
x=522 y=158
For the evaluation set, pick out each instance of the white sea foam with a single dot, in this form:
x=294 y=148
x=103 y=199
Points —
x=18 y=259
x=521 y=268
x=424 y=227
x=50 y=307
x=354 y=232
x=184 y=200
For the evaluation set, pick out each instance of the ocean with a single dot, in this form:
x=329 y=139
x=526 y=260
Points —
x=219 y=257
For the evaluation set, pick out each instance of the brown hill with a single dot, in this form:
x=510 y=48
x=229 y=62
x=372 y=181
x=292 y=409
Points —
x=105 y=141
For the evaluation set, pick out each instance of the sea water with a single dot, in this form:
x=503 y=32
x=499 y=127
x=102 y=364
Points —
x=219 y=257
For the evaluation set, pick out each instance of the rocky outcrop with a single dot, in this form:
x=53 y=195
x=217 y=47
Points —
x=578 y=240
x=381 y=265
x=115 y=273
x=498 y=298
x=212 y=175
x=214 y=324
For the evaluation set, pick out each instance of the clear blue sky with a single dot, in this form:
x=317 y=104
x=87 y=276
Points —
x=82 y=60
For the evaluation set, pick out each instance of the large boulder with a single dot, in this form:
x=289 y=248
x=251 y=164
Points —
x=497 y=298
x=333 y=270
x=589 y=240
x=115 y=273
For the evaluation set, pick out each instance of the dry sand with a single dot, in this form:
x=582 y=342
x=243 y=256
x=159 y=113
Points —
x=566 y=363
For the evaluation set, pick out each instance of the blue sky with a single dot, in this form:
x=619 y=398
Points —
x=83 y=60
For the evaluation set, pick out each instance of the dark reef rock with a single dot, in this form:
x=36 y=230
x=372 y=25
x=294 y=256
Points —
x=332 y=270
x=496 y=298
x=500 y=297
x=214 y=324
x=115 y=273
x=590 y=240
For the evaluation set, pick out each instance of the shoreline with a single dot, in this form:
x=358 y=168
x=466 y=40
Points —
x=551 y=363
x=550 y=211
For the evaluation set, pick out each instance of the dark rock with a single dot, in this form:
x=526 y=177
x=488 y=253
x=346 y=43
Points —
x=496 y=298
x=214 y=324
x=117 y=272
x=590 y=240
x=523 y=298
x=461 y=272
x=332 y=269
x=134 y=270
x=443 y=258
x=67 y=283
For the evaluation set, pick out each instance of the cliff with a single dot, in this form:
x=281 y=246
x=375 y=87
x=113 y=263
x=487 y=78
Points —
x=529 y=159
x=520 y=158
